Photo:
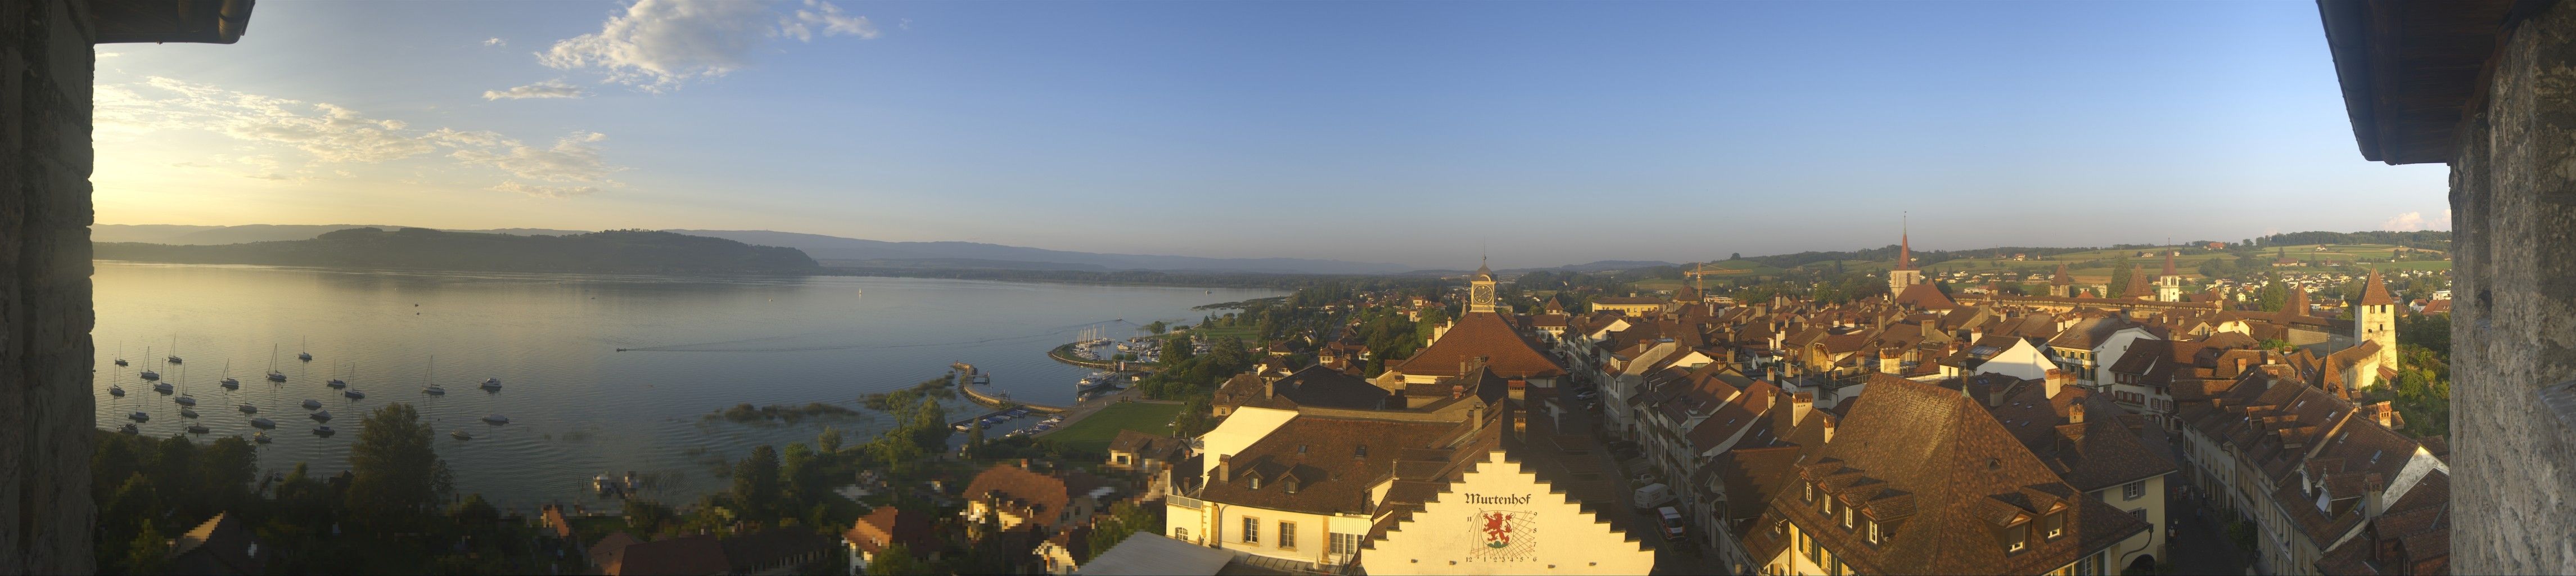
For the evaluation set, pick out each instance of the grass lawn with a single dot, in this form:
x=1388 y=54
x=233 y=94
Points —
x=1092 y=434
x=1249 y=334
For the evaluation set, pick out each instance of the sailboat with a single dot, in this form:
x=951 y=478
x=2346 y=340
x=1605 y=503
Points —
x=354 y=394
x=228 y=382
x=186 y=400
x=115 y=390
x=302 y=354
x=273 y=374
x=460 y=435
x=174 y=350
x=249 y=409
x=338 y=383
x=120 y=354
x=322 y=416
x=148 y=374
x=491 y=384
x=432 y=389
x=260 y=437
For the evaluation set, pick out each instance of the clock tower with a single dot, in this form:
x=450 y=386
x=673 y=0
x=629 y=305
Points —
x=1480 y=289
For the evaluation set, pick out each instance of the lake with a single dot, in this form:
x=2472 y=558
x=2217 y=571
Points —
x=577 y=406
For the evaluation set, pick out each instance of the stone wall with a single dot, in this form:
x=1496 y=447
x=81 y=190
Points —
x=2513 y=198
x=45 y=406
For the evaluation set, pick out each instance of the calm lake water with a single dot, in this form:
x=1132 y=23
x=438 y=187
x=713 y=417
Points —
x=577 y=407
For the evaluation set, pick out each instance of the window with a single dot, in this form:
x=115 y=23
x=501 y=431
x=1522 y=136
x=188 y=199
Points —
x=1873 y=531
x=1181 y=534
x=2017 y=538
x=2141 y=513
x=2133 y=490
x=2056 y=525
x=1122 y=459
x=1346 y=543
x=1287 y=535
x=1847 y=518
x=1251 y=530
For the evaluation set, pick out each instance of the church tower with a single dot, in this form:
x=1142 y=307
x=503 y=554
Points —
x=2062 y=285
x=1480 y=289
x=1904 y=275
x=2169 y=285
x=2374 y=318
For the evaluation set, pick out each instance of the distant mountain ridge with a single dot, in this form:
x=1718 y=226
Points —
x=832 y=250
x=611 y=252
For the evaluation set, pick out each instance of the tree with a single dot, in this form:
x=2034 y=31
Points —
x=1735 y=256
x=396 y=473
x=929 y=427
x=148 y=553
x=474 y=513
x=975 y=440
x=755 y=481
x=829 y=442
x=2120 y=274
x=1156 y=327
x=804 y=475
x=647 y=516
x=895 y=558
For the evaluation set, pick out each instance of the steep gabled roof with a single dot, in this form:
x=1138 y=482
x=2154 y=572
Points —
x=1482 y=334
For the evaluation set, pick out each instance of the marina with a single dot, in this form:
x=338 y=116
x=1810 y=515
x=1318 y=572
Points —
x=572 y=404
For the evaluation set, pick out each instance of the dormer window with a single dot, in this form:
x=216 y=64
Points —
x=1301 y=448
x=1360 y=452
x=2017 y=538
x=2055 y=525
x=1256 y=482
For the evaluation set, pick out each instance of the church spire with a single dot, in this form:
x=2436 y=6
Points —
x=2169 y=262
x=2374 y=292
x=1904 y=246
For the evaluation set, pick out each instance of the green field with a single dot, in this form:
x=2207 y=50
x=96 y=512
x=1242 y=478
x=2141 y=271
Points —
x=1251 y=335
x=1092 y=434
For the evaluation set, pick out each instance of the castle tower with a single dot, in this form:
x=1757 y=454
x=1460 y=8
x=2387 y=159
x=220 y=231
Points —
x=1904 y=275
x=2374 y=318
x=1480 y=289
x=2063 y=285
x=2169 y=285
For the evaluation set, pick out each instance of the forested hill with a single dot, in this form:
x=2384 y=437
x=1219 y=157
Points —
x=2432 y=239
x=610 y=252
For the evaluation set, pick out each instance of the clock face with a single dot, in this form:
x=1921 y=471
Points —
x=1484 y=293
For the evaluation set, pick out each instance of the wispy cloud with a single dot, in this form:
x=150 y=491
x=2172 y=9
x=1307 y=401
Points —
x=544 y=191
x=328 y=134
x=546 y=89
x=658 y=45
x=573 y=158
x=496 y=42
x=2407 y=222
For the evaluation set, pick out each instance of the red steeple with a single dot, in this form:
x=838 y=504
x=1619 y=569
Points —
x=1904 y=250
x=2169 y=257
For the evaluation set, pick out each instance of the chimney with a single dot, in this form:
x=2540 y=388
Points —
x=1830 y=423
x=1024 y=463
x=2075 y=413
x=2374 y=494
x=1270 y=388
x=1800 y=405
x=2057 y=380
x=2384 y=413
x=1224 y=468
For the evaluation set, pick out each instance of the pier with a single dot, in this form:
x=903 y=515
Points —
x=972 y=380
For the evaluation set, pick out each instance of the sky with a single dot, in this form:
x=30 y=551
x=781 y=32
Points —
x=1420 y=133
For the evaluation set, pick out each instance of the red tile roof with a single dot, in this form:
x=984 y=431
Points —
x=1482 y=334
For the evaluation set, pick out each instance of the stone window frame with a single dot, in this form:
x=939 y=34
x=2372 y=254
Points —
x=1287 y=535
x=1251 y=530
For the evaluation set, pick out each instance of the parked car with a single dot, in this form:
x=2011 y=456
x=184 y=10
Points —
x=1671 y=521
x=1652 y=495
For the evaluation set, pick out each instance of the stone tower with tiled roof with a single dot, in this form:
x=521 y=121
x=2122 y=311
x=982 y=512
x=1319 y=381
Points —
x=1904 y=275
x=2062 y=285
x=2169 y=284
x=2374 y=318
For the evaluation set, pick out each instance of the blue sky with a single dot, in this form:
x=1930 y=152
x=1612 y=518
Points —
x=1417 y=133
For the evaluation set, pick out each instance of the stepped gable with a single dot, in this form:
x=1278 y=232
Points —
x=1486 y=335
x=1950 y=482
